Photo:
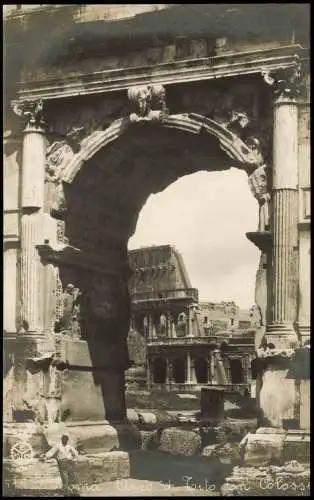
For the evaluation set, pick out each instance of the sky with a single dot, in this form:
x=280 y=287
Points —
x=205 y=216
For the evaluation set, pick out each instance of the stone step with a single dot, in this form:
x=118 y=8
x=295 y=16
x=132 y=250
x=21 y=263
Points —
x=291 y=479
x=93 y=469
x=89 y=469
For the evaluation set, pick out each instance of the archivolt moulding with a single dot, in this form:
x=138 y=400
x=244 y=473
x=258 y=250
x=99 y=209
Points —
x=229 y=142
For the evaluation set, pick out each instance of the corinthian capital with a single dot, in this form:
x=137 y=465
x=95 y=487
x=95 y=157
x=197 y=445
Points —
x=30 y=111
x=286 y=82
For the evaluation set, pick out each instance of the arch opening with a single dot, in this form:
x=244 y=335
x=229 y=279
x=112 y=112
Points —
x=159 y=370
x=103 y=201
x=236 y=371
x=201 y=370
x=179 y=371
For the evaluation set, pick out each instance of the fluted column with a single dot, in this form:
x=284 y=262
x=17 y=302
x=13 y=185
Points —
x=32 y=227
x=281 y=331
x=30 y=271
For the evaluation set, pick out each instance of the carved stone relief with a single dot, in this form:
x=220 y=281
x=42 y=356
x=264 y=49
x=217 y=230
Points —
x=258 y=183
x=59 y=300
x=57 y=155
x=237 y=108
x=144 y=99
x=93 y=113
x=286 y=82
x=31 y=112
x=69 y=320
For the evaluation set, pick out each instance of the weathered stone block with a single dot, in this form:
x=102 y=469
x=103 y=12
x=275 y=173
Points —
x=32 y=474
x=75 y=352
x=297 y=447
x=147 y=418
x=180 y=442
x=270 y=430
x=132 y=415
x=277 y=405
x=82 y=470
x=124 y=467
x=262 y=449
x=210 y=450
x=108 y=466
x=305 y=404
x=236 y=430
x=94 y=436
x=82 y=399
x=290 y=480
x=14 y=432
x=229 y=453
x=149 y=440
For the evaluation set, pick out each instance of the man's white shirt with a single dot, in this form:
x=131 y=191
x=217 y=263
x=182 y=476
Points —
x=61 y=452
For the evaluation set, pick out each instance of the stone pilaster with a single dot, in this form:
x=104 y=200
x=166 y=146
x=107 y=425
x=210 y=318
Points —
x=173 y=328
x=280 y=332
x=168 y=324
x=152 y=327
x=188 y=368
x=193 y=374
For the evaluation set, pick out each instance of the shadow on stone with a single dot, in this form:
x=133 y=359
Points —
x=178 y=470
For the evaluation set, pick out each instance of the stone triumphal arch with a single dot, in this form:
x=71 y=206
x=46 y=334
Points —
x=87 y=153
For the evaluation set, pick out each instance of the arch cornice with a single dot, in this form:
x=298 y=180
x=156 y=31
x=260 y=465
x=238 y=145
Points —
x=229 y=142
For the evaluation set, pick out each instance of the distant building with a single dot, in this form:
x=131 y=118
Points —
x=217 y=316
x=188 y=343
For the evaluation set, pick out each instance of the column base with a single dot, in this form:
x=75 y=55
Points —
x=282 y=336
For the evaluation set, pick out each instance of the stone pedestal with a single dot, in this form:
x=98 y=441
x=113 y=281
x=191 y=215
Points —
x=290 y=405
x=101 y=387
x=212 y=404
x=278 y=396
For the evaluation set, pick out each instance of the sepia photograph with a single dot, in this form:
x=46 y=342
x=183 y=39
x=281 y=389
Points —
x=157 y=250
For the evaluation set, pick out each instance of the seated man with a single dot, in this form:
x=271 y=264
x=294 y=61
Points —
x=65 y=454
